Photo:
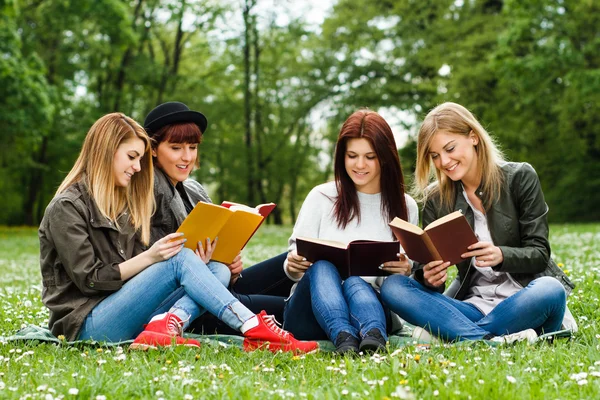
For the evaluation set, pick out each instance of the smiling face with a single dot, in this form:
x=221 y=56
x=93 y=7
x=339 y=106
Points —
x=455 y=156
x=176 y=159
x=362 y=165
x=126 y=161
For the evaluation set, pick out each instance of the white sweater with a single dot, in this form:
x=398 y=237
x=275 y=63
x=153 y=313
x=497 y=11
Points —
x=316 y=220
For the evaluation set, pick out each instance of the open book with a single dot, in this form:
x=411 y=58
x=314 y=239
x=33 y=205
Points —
x=444 y=239
x=234 y=224
x=357 y=258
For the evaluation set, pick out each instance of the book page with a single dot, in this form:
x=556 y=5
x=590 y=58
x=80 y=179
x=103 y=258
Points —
x=444 y=219
x=405 y=225
x=331 y=243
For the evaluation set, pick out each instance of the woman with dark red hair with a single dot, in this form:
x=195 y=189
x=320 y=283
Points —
x=368 y=192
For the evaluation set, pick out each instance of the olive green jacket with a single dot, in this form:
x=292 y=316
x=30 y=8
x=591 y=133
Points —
x=518 y=224
x=80 y=253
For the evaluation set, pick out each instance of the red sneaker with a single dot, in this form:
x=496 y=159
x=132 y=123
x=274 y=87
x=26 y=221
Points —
x=162 y=332
x=267 y=334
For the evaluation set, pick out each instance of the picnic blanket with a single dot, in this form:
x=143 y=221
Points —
x=34 y=334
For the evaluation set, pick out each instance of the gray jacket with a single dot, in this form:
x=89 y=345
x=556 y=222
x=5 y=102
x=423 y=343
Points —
x=518 y=223
x=170 y=211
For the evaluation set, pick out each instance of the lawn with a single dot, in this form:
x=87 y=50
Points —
x=562 y=370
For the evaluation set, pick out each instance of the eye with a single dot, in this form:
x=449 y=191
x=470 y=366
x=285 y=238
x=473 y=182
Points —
x=193 y=147
x=371 y=157
x=131 y=157
x=450 y=149
x=434 y=156
x=351 y=156
x=176 y=147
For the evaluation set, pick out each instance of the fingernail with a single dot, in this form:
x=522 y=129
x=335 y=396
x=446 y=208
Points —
x=381 y=266
x=216 y=238
x=184 y=240
x=303 y=259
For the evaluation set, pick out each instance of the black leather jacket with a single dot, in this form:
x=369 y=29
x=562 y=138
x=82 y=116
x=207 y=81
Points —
x=518 y=224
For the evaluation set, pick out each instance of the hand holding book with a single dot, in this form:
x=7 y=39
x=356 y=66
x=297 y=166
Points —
x=401 y=266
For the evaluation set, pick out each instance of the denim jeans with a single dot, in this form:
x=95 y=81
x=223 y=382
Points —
x=540 y=305
x=182 y=284
x=323 y=306
x=263 y=286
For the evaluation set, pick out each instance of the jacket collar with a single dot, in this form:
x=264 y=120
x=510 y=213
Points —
x=97 y=220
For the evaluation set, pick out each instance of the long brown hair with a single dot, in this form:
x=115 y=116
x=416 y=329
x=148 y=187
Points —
x=95 y=166
x=454 y=118
x=371 y=126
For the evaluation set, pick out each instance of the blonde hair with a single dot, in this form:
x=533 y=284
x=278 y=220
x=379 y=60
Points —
x=454 y=118
x=95 y=166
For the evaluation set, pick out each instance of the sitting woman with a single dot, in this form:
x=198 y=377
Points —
x=99 y=281
x=368 y=192
x=176 y=132
x=507 y=288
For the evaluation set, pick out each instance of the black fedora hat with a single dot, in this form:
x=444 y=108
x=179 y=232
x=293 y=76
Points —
x=170 y=113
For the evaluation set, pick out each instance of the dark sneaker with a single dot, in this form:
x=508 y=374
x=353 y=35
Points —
x=372 y=342
x=346 y=343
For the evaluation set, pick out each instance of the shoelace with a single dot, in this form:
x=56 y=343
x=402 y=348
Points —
x=274 y=325
x=174 y=326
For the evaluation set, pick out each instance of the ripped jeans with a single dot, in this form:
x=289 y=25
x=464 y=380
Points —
x=183 y=285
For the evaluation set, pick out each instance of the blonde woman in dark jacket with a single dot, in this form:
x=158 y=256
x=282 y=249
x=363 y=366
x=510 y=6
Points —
x=99 y=280
x=507 y=288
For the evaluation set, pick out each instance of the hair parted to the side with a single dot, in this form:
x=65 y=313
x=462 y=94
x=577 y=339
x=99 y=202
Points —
x=95 y=165
x=371 y=126
x=183 y=132
x=454 y=118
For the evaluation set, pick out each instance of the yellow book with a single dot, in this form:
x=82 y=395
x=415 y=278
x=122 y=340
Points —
x=234 y=224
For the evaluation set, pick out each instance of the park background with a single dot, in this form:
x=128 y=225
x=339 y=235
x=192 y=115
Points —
x=276 y=79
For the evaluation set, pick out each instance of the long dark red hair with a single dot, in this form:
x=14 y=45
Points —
x=371 y=126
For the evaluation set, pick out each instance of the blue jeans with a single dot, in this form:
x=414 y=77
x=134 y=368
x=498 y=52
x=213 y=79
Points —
x=263 y=286
x=183 y=285
x=540 y=305
x=323 y=305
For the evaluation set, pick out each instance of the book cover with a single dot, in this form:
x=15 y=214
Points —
x=234 y=224
x=444 y=239
x=357 y=258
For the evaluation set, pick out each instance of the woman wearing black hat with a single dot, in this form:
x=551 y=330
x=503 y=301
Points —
x=176 y=132
x=102 y=283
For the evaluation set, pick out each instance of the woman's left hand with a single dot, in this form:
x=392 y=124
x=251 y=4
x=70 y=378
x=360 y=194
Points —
x=402 y=266
x=485 y=253
x=205 y=253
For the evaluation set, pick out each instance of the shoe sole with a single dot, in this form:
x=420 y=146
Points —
x=275 y=347
x=146 y=347
x=371 y=346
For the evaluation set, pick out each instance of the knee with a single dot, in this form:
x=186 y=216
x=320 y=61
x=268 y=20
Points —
x=322 y=268
x=392 y=287
x=354 y=283
x=221 y=272
x=552 y=288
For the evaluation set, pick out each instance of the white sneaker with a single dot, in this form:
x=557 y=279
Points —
x=423 y=335
x=528 y=334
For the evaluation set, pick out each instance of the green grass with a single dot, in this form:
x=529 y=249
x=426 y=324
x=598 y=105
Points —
x=477 y=371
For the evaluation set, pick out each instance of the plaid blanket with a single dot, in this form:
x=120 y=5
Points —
x=36 y=334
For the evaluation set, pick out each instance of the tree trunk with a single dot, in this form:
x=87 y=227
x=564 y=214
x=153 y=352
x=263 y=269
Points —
x=247 y=106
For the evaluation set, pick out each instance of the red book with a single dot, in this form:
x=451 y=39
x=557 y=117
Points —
x=444 y=239
x=357 y=258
